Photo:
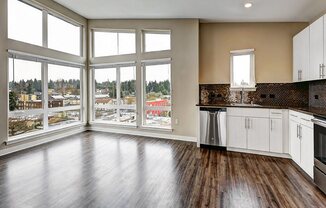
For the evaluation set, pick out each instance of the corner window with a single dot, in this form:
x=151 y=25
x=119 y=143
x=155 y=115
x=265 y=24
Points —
x=110 y=43
x=157 y=95
x=243 y=69
x=115 y=95
x=64 y=36
x=156 y=40
x=24 y=22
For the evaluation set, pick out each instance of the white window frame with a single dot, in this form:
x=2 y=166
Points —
x=119 y=106
x=154 y=31
x=118 y=31
x=45 y=12
x=252 y=84
x=145 y=108
x=45 y=110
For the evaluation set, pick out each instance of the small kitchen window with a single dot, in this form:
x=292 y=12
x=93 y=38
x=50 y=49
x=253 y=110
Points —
x=242 y=69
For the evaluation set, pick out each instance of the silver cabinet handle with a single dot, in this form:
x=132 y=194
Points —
x=322 y=71
x=300 y=132
x=271 y=124
x=297 y=131
x=299 y=75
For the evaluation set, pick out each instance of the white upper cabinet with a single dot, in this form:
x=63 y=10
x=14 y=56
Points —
x=301 y=56
x=316 y=49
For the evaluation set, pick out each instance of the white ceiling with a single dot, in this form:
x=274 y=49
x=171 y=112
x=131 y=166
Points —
x=206 y=10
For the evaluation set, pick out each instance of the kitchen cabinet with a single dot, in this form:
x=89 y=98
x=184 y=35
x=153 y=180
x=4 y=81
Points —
x=258 y=134
x=255 y=129
x=316 y=49
x=276 y=135
x=237 y=132
x=302 y=141
x=301 y=53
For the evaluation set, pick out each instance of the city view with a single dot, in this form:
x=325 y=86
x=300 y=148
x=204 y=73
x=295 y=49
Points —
x=25 y=93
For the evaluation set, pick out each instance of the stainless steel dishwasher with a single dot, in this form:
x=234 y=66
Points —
x=213 y=127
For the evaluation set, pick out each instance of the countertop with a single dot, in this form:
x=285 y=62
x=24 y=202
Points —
x=320 y=112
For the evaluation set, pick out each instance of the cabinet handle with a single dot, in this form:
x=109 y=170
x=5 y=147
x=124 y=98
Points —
x=299 y=74
x=245 y=123
x=300 y=132
x=271 y=125
x=297 y=131
x=322 y=71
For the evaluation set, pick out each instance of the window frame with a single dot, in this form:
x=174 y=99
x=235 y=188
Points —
x=45 y=110
x=252 y=84
x=119 y=106
x=108 y=30
x=154 y=31
x=48 y=11
x=145 y=108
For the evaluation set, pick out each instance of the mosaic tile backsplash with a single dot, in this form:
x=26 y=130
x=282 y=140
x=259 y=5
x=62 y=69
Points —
x=272 y=94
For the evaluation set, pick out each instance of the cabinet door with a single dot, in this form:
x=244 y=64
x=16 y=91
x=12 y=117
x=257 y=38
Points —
x=316 y=48
x=258 y=134
x=276 y=135
x=295 y=143
x=237 y=132
x=301 y=53
x=307 y=150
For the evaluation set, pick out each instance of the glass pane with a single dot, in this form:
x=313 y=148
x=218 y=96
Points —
x=127 y=44
x=105 y=44
x=158 y=85
x=62 y=118
x=105 y=86
x=241 y=70
x=128 y=85
x=24 y=124
x=114 y=43
x=63 y=86
x=127 y=116
x=106 y=114
x=158 y=118
x=25 y=85
x=63 y=36
x=24 y=22
x=157 y=41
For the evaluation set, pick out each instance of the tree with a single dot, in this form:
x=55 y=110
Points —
x=13 y=100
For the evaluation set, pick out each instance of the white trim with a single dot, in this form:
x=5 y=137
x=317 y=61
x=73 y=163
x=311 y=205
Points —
x=122 y=107
x=141 y=133
x=151 y=62
x=41 y=139
x=112 y=65
x=284 y=155
x=242 y=51
x=66 y=108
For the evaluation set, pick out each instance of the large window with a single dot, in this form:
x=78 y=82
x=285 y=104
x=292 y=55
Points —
x=156 y=40
x=63 y=36
x=157 y=95
x=30 y=109
x=115 y=94
x=111 y=43
x=243 y=69
x=24 y=22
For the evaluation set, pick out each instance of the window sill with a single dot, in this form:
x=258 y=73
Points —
x=155 y=128
x=113 y=124
x=34 y=135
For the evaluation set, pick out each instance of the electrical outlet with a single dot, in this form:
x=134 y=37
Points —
x=176 y=121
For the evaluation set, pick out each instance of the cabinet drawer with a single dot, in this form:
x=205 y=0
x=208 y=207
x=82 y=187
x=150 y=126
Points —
x=276 y=113
x=303 y=119
x=248 y=112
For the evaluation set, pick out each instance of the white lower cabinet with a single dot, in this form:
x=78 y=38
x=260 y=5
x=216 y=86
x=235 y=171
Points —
x=276 y=135
x=258 y=134
x=302 y=141
x=237 y=132
x=255 y=129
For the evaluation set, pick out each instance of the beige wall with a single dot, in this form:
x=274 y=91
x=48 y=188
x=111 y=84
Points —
x=272 y=43
x=184 y=66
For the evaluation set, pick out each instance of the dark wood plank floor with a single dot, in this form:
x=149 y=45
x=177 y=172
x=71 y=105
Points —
x=111 y=170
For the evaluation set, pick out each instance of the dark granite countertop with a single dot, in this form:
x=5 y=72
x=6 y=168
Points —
x=321 y=112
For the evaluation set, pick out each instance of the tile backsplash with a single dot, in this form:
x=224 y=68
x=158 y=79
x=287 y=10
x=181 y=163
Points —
x=317 y=94
x=281 y=94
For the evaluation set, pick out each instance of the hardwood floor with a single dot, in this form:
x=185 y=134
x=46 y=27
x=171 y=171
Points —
x=95 y=169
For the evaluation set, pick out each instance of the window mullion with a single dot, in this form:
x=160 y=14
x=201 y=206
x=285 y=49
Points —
x=45 y=28
x=118 y=92
x=45 y=95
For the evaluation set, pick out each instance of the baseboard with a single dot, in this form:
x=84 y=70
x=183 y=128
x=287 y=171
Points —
x=38 y=140
x=132 y=131
x=259 y=152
